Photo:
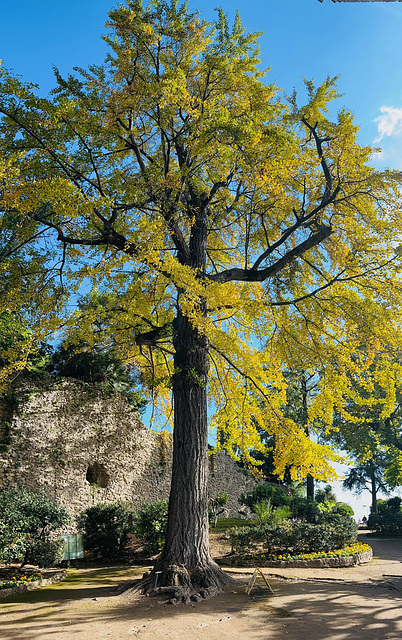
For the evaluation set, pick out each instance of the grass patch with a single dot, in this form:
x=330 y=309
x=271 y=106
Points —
x=224 y=524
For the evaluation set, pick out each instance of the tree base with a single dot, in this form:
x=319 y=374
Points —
x=178 y=584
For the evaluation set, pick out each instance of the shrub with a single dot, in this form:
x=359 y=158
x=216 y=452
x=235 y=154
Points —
x=45 y=553
x=345 y=531
x=266 y=491
x=335 y=515
x=266 y=514
x=343 y=509
x=304 y=509
x=305 y=537
x=297 y=537
x=246 y=539
x=13 y=547
x=25 y=518
x=150 y=524
x=106 y=528
x=392 y=504
x=388 y=520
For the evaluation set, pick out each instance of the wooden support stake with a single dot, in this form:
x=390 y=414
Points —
x=257 y=572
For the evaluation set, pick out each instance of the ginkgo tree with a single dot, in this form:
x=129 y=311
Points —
x=228 y=234
x=23 y=270
x=368 y=425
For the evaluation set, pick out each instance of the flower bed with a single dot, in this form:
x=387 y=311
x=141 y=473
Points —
x=13 y=580
x=18 y=580
x=357 y=553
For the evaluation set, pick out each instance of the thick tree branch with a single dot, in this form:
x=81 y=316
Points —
x=150 y=338
x=324 y=165
x=304 y=221
x=314 y=217
x=177 y=235
x=254 y=275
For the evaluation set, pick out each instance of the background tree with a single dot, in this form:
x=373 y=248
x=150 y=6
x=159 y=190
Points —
x=368 y=475
x=233 y=233
x=325 y=495
x=299 y=393
x=97 y=365
x=368 y=424
x=95 y=360
x=301 y=385
x=20 y=348
x=388 y=519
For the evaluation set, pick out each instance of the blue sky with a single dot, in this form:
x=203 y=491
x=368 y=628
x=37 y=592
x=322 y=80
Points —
x=360 y=41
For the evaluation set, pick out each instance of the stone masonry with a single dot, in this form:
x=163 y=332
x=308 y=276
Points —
x=80 y=445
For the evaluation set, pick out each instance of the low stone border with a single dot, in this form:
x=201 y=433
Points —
x=340 y=561
x=35 y=584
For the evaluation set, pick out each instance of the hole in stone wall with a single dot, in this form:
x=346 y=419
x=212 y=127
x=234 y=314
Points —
x=97 y=474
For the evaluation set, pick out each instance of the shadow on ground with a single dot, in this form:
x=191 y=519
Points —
x=84 y=607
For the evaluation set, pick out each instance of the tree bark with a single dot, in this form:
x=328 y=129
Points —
x=309 y=479
x=374 y=505
x=185 y=569
x=310 y=487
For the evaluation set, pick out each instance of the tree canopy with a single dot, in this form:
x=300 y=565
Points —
x=233 y=235
x=20 y=347
x=368 y=425
x=370 y=476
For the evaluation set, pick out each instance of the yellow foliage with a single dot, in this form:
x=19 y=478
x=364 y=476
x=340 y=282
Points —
x=175 y=182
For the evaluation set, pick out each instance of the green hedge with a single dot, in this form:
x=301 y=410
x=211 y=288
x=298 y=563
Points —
x=150 y=522
x=106 y=529
x=295 y=537
x=26 y=518
x=388 y=520
x=45 y=553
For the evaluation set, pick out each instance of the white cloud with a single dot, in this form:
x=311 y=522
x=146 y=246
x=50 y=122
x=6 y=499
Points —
x=378 y=156
x=389 y=123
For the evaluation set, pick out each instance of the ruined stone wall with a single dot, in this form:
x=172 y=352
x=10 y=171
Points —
x=80 y=445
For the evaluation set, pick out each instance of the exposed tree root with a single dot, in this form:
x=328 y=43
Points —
x=178 y=584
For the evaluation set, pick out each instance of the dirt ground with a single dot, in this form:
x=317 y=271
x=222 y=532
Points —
x=307 y=604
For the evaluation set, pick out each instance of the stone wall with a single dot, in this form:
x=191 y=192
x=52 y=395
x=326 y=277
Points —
x=81 y=445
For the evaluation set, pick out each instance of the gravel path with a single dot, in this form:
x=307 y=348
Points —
x=319 y=604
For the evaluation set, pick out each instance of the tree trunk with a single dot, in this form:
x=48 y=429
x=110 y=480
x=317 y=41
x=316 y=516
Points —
x=310 y=487
x=185 y=569
x=304 y=390
x=374 y=506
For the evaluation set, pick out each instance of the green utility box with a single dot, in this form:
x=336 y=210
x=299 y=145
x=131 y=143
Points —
x=74 y=546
